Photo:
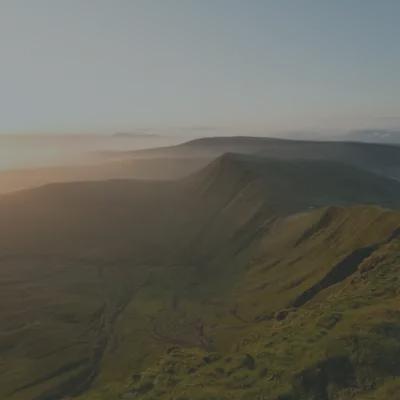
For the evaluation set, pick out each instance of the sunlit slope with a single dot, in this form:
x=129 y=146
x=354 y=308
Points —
x=99 y=279
x=340 y=341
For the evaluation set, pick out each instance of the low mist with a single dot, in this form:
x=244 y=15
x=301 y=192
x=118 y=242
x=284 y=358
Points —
x=33 y=151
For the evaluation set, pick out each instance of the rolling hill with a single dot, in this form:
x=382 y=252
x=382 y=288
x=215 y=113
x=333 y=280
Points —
x=175 y=162
x=378 y=158
x=251 y=277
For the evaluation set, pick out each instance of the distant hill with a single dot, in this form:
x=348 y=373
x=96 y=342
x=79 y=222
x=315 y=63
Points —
x=375 y=136
x=246 y=276
x=175 y=162
x=130 y=135
x=379 y=158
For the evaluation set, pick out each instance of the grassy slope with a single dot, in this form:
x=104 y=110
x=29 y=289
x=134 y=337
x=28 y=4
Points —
x=110 y=275
x=343 y=343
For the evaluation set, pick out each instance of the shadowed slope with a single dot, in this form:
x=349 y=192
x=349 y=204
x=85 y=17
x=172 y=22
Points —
x=131 y=217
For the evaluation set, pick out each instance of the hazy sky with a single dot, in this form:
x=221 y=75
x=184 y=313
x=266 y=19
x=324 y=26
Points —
x=105 y=66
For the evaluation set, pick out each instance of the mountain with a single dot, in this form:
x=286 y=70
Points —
x=251 y=276
x=175 y=162
x=379 y=158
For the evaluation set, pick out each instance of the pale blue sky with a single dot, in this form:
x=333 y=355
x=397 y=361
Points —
x=105 y=66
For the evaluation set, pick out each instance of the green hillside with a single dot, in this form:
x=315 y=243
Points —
x=340 y=342
x=246 y=279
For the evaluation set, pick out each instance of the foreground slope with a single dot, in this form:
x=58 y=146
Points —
x=329 y=327
x=100 y=279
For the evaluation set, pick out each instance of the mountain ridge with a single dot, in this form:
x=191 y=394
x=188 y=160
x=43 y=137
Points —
x=175 y=162
x=378 y=158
